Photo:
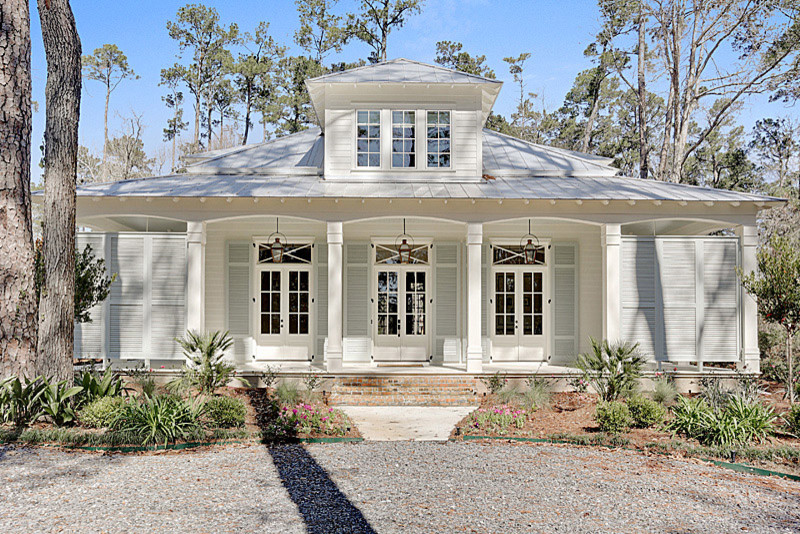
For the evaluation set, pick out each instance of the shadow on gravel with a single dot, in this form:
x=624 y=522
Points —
x=325 y=509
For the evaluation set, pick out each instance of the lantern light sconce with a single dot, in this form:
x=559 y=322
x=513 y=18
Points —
x=529 y=249
x=403 y=246
x=277 y=243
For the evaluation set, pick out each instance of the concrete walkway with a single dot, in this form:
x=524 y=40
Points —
x=402 y=423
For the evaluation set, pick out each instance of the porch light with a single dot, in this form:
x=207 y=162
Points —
x=404 y=248
x=275 y=244
x=528 y=247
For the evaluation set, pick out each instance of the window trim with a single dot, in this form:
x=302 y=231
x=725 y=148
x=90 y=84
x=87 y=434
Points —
x=438 y=168
x=381 y=136
x=414 y=139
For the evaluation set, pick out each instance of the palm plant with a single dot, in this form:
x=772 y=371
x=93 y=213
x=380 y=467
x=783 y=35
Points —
x=612 y=370
x=207 y=369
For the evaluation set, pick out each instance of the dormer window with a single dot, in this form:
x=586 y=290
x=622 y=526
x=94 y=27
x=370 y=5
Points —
x=368 y=139
x=403 y=139
x=438 y=139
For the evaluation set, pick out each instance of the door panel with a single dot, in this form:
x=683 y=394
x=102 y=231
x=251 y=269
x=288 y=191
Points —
x=519 y=308
x=284 y=320
x=401 y=321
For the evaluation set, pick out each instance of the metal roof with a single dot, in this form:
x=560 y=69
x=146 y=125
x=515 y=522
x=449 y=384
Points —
x=306 y=186
x=401 y=70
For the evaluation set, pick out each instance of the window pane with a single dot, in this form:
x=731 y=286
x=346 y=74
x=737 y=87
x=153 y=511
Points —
x=363 y=116
x=374 y=160
x=304 y=324
x=368 y=135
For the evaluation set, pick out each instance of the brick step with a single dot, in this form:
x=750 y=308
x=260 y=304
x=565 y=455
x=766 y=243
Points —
x=403 y=391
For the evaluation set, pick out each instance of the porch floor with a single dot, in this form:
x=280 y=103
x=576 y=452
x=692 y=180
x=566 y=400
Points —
x=510 y=369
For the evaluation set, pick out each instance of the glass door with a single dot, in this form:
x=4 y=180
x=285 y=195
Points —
x=400 y=325
x=284 y=313
x=519 y=318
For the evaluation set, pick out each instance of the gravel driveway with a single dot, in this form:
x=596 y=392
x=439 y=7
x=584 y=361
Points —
x=386 y=487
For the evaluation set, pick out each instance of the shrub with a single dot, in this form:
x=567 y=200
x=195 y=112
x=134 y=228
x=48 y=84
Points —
x=163 y=418
x=497 y=419
x=792 y=418
x=312 y=382
x=225 y=412
x=664 y=391
x=207 y=369
x=645 y=412
x=495 y=383
x=737 y=422
x=288 y=393
x=95 y=386
x=538 y=393
x=612 y=370
x=56 y=401
x=101 y=412
x=688 y=416
x=20 y=400
x=313 y=418
x=613 y=417
x=755 y=420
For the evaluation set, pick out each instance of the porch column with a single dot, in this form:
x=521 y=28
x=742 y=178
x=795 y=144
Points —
x=195 y=275
x=611 y=238
x=750 y=360
x=335 y=242
x=474 y=249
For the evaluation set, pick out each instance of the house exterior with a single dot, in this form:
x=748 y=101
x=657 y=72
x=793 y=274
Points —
x=403 y=233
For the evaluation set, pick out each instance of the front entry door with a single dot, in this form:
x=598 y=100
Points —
x=400 y=324
x=519 y=308
x=284 y=313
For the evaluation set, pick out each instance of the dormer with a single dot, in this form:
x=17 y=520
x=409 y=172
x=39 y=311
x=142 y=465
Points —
x=402 y=120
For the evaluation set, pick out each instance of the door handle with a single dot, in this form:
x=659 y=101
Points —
x=399 y=327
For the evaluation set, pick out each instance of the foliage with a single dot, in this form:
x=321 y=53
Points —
x=321 y=31
x=143 y=378
x=268 y=377
x=312 y=382
x=225 y=412
x=108 y=65
x=95 y=386
x=101 y=412
x=288 y=393
x=375 y=20
x=57 y=401
x=538 y=393
x=717 y=395
x=738 y=422
x=449 y=55
x=688 y=416
x=612 y=370
x=92 y=285
x=314 y=419
x=578 y=384
x=495 y=383
x=613 y=417
x=496 y=419
x=206 y=352
x=163 y=418
x=776 y=287
x=792 y=418
x=20 y=400
x=645 y=413
x=664 y=390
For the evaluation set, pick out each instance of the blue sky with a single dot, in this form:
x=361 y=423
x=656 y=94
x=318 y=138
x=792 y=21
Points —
x=555 y=32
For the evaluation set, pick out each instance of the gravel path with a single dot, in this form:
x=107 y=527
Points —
x=386 y=487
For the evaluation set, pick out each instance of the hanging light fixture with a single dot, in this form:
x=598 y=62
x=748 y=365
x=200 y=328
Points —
x=276 y=246
x=404 y=247
x=529 y=249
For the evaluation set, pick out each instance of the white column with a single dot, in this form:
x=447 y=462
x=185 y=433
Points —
x=335 y=301
x=750 y=359
x=474 y=251
x=611 y=238
x=195 y=276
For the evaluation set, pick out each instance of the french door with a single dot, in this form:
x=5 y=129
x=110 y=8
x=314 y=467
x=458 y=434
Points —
x=283 y=318
x=401 y=314
x=519 y=313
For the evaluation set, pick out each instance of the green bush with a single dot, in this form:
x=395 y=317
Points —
x=101 y=412
x=207 y=369
x=495 y=383
x=57 y=402
x=538 y=393
x=792 y=418
x=95 y=386
x=612 y=370
x=738 y=422
x=664 y=391
x=288 y=393
x=613 y=416
x=688 y=416
x=225 y=412
x=21 y=400
x=645 y=412
x=163 y=418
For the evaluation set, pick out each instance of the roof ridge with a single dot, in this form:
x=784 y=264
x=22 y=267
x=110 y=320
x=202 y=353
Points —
x=402 y=59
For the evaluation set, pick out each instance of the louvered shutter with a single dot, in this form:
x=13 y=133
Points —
x=167 y=295
x=322 y=301
x=238 y=297
x=357 y=302
x=719 y=335
x=126 y=317
x=90 y=338
x=677 y=263
x=445 y=302
x=639 y=294
x=565 y=303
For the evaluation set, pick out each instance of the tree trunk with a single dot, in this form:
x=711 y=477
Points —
x=63 y=96
x=790 y=372
x=197 y=109
x=105 y=135
x=248 y=104
x=589 y=126
x=17 y=286
x=644 y=170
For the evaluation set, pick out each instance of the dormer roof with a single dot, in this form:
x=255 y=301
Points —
x=402 y=71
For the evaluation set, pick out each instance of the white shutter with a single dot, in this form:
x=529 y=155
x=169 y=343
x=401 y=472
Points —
x=90 y=337
x=445 y=302
x=126 y=322
x=168 y=295
x=238 y=297
x=720 y=328
x=486 y=262
x=565 y=302
x=677 y=262
x=357 y=302
x=639 y=294
x=322 y=300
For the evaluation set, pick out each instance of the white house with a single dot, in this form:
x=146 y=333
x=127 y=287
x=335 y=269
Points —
x=403 y=233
